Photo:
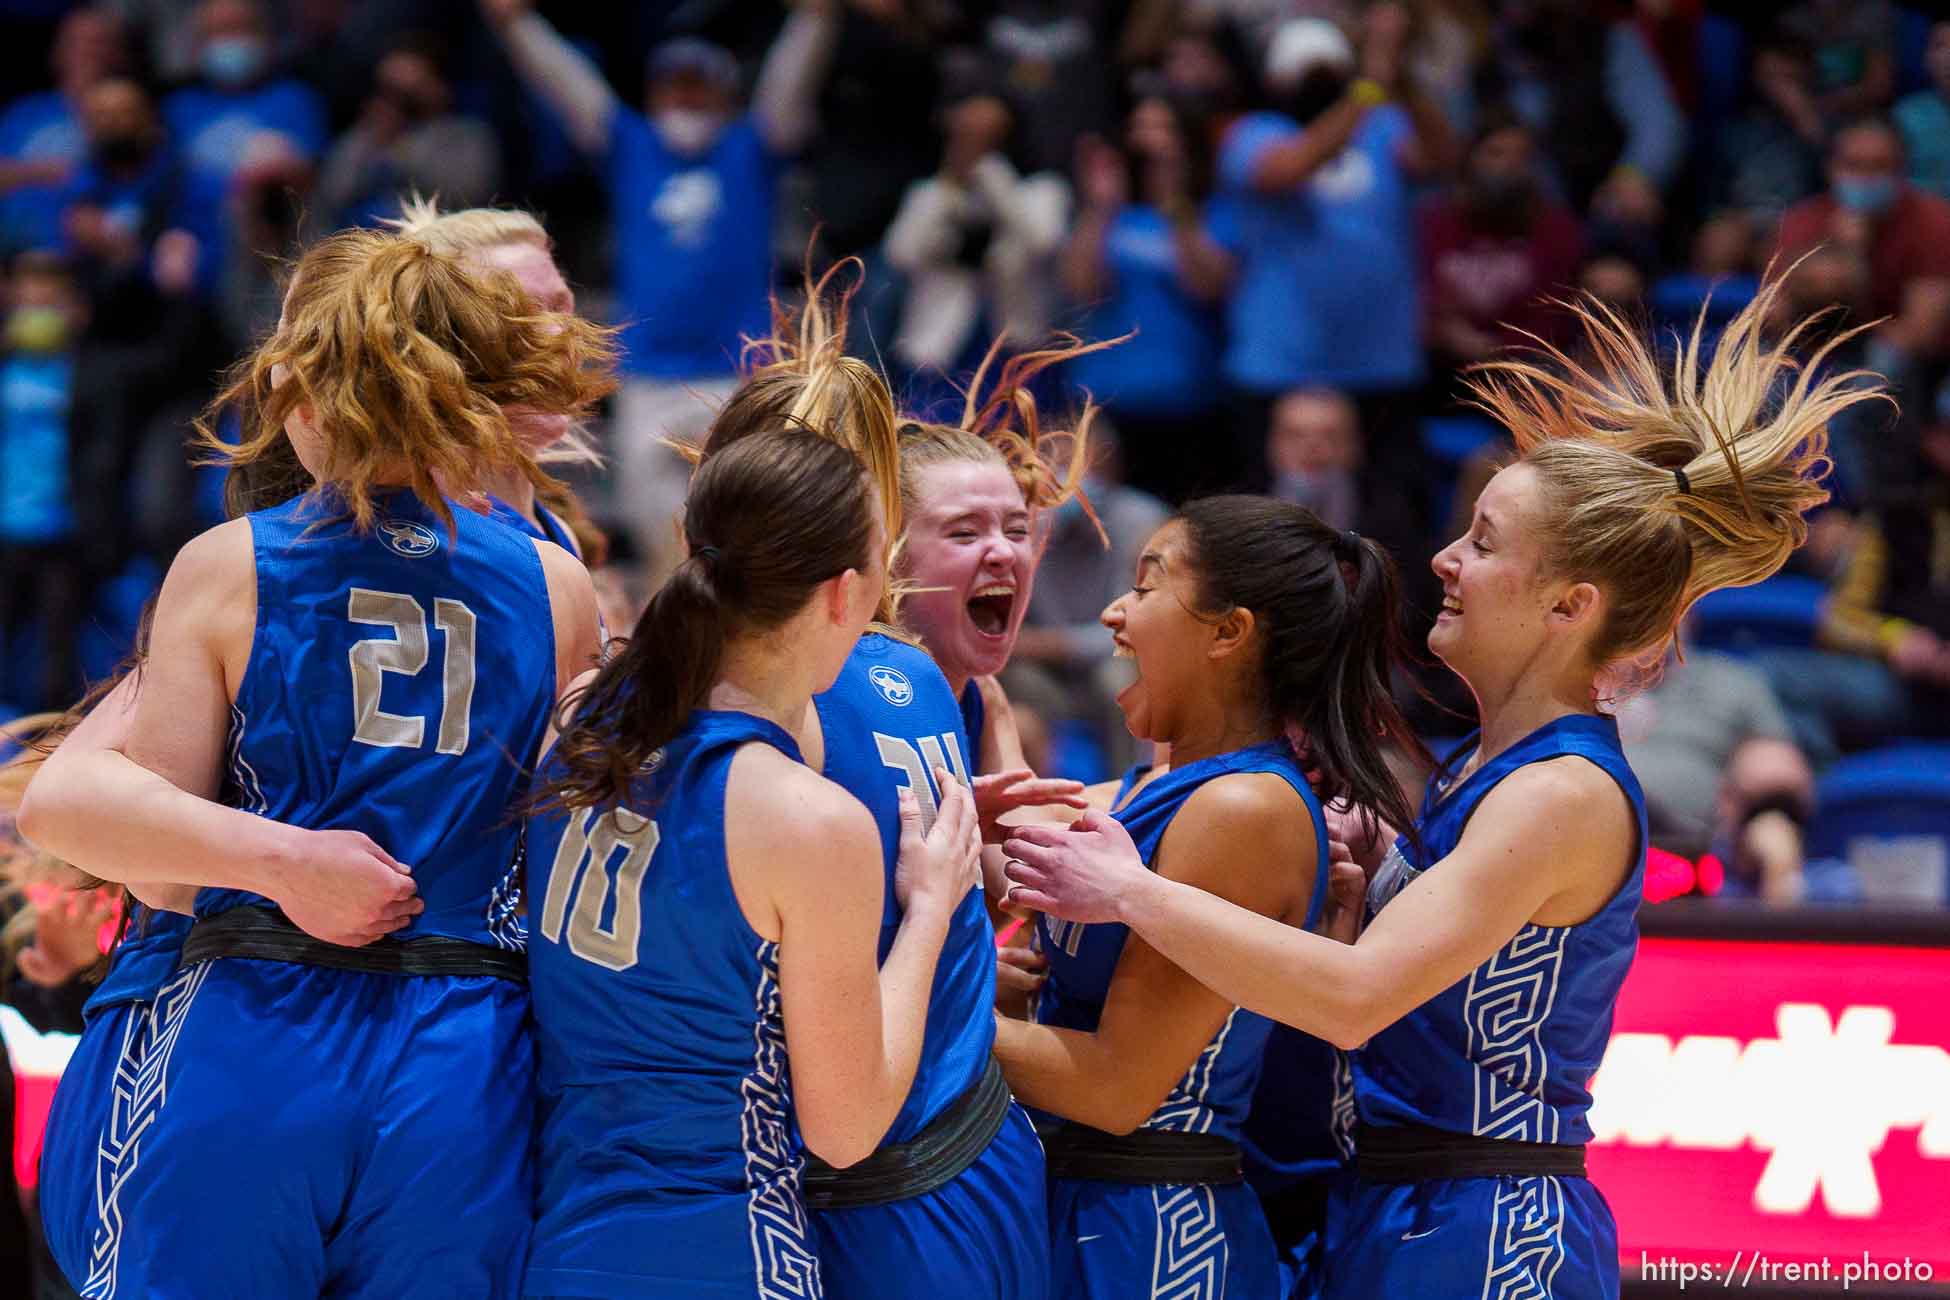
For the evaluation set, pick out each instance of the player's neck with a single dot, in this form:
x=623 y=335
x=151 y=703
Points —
x=514 y=491
x=759 y=681
x=1511 y=715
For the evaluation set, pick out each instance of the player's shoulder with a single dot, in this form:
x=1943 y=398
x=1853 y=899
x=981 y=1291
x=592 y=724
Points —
x=1247 y=804
x=221 y=555
x=788 y=806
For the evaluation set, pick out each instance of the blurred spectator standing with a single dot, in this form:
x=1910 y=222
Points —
x=217 y=121
x=1142 y=260
x=1769 y=157
x=691 y=181
x=42 y=139
x=1322 y=227
x=408 y=139
x=1062 y=642
x=977 y=241
x=1495 y=250
x=1054 y=66
x=129 y=192
x=1924 y=119
x=1853 y=42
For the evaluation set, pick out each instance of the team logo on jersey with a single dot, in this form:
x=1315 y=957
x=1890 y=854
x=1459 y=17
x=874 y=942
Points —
x=892 y=683
x=404 y=537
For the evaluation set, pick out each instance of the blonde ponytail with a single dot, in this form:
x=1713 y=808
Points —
x=1661 y=485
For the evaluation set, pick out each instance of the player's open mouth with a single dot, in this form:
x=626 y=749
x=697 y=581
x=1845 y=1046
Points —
x=1451 y=607
x=990 y=607
x=1121 y=649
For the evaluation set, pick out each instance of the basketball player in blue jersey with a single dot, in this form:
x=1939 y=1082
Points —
x=287 y=675
x=510 y=240
x=1502 y=924
x=707 y=906
x=952 y=1202
x=1253 y=626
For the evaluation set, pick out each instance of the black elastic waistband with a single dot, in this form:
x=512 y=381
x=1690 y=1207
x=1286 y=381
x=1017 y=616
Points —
x=1145 y=1156
x=268 y=936
x=935 y=1158
x=1409 y=1153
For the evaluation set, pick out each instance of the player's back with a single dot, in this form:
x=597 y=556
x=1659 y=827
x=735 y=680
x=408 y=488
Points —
x=669 y=1160
x=399 y=684
x=889 y=720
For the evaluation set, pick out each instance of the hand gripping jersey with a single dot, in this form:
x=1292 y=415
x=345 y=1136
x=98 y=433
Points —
x=669 y=1160
x=1506 y=1053
x=358 y=709
x=1111 y=1240
x=889 y=720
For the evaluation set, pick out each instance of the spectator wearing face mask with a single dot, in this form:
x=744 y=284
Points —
x=1891 y=239
x=129 y=192
x=1321 y=225
x=216 y=122
x=1496 y=250
x=691 y=180
x=42 y=140
x=408 y=140
x=1924 y=119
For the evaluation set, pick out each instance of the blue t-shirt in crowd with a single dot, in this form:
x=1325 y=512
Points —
x=37 y=128
x=213 y=129
x=694 y=246
x=1328 y=290
x=35 y=504
x=1172 y=366
x=156 y=195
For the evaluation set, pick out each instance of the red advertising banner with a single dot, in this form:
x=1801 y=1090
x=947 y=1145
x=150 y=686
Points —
x=1776 y=1104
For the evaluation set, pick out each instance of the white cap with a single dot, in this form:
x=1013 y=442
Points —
x=1302 y=44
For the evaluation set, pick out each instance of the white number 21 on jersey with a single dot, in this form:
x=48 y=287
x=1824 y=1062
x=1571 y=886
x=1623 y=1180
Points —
x=406 y=653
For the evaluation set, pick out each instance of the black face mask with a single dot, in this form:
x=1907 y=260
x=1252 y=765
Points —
x=1317 y=92
x=120 y=151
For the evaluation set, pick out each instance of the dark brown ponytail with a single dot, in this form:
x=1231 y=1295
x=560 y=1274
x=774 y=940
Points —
x=1327 y=605
x=767 y=520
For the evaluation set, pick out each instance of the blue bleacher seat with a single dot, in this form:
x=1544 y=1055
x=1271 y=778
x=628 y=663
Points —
x=1912 y=44
x=1887 y=813
x=1783 y=611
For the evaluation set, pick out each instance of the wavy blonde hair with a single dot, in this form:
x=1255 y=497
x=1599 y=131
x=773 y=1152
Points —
x=1662 y=483
x=23 y=866
x=406 y=360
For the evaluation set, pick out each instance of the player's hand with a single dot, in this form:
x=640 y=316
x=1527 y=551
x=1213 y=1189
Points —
x=1078 y=874
x=1347 y=892
x=342 y=888
x=1359 y=832
x=940 y=867
x=1005 y=792
x=68 y=927
x=1019 y=971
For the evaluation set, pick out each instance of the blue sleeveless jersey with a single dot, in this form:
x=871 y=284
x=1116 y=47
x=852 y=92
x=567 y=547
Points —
x=1216 y=1093
x=889 y=720
x=974 y=717
x=669 y=1159
x=1509 y=1051
x=552 y=528
x=359 y=708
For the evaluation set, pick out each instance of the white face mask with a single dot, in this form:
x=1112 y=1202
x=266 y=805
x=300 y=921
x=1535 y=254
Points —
x=688 y=130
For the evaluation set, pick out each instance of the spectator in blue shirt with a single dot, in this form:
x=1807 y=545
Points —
x=41 y=137
x=220 y=123
x=38 y=556
x=128 y=193
x=1142 y=261
x=1323 y=229
x=691 y=180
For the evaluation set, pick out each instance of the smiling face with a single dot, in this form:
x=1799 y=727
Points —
x=1153 y=624
x=1496 y=599
x=969 y=536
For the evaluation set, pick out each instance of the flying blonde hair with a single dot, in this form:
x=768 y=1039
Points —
x=407 y=360
x=1659 y=484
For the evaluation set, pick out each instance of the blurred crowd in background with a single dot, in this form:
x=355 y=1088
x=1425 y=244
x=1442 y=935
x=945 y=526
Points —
x=1309 y=217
